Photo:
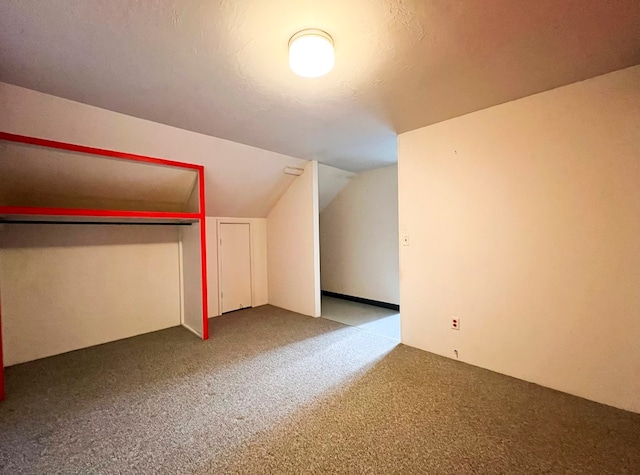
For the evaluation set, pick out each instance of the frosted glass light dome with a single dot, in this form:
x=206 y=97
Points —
x=311 y=53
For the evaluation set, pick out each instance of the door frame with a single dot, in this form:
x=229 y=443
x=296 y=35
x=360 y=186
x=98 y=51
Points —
x=219 y=223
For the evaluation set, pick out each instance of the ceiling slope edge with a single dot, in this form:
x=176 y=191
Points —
x=241 y=180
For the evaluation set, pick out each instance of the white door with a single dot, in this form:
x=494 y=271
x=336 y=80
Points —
x=235 y=266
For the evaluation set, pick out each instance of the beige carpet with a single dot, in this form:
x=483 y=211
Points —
x=276 y=392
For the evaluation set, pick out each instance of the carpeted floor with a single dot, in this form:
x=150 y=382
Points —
x=276 y=392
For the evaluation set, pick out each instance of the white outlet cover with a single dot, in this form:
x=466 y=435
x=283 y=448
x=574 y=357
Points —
x=405 y=240
x=455 y=323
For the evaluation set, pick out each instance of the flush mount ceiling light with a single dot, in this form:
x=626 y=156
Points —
x=311 y=53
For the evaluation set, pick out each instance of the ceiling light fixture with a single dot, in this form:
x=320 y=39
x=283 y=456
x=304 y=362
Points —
x=311 y=53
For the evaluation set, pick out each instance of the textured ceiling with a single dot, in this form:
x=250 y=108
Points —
x=220 y=67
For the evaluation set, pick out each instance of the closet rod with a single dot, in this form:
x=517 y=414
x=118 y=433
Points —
x=124 y=223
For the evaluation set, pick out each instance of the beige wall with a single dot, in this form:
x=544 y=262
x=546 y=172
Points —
x=359 y=238
x=259 y=285
x=524 y=222
x=66 y=287
x=293 y=247
x=189 y=274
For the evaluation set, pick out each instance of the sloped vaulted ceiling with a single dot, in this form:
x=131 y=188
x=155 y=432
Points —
x=241 y=181
x=220 y=67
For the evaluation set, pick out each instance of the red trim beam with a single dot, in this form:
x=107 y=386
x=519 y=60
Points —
x=102 y=213
x=199 y=217
x=203 y=257
x=95 y=151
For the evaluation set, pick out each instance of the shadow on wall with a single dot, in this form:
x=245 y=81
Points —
x=19 y=236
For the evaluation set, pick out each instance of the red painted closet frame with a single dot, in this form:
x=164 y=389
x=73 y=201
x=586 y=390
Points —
x=32 y=211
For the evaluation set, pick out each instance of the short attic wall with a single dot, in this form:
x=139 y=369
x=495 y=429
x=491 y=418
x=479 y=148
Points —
x=66 y=287
x=91 y=284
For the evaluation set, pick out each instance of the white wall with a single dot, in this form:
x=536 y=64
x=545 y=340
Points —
x=66 y=287
x=190 y=275
x=293 y=253
x=359 y=238
x=259 y=283
x=524 y=222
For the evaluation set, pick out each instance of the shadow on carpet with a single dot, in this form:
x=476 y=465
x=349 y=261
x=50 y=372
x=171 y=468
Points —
x=276 y=392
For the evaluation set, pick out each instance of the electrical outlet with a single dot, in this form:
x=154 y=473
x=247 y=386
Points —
x=405 y=240
x=455 y=323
